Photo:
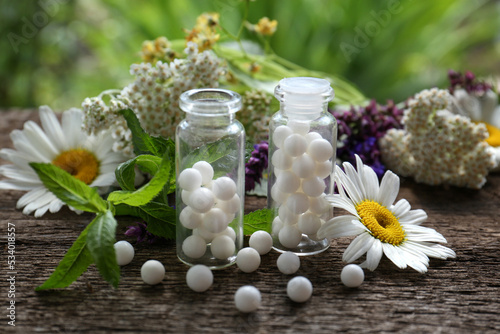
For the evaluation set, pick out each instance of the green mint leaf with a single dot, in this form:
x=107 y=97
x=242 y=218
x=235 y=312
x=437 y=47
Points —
x=162 y=178
x=100 y=243
x=258 y=220
x=69 y=189
x=159 y=216
x=72 y=266
x=125 y=172
x=143 y=142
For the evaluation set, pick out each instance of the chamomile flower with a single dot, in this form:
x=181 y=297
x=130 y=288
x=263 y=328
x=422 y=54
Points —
x=89 y=158
x=380 y=226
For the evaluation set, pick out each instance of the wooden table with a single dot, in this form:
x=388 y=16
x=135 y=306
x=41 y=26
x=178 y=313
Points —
x=456 y=296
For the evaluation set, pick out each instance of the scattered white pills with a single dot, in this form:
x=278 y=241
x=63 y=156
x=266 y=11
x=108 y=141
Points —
x=352 y=275
x=202 y=200
x=299 y=289
x=152 y=272
x=289 y=236
x=248 y=259
x=222 y=247
x=194 y=246
x=199 y=278
x=247 y=298
x=189 y=218
x=280 y=134
x=320 y=150
x=224 y=188
x=295 y=145
x=288 y=263
x=189 y=179
x=124 y=252
x=206 y=170
x=261 y=241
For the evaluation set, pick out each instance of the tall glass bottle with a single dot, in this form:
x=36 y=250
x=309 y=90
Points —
x=303 y=136
x=210 y=167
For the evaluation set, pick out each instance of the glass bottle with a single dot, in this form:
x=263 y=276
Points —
x=302 y=151
x=210 y=168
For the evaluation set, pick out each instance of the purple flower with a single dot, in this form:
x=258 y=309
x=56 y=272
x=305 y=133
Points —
x=256 y=165
x=141 y=233
x=466 y=81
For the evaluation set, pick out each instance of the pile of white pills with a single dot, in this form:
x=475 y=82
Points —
x=211 y=205
x=301 y=163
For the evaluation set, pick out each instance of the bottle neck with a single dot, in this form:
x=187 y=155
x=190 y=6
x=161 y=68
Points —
x=303 y=113
x=213 y=121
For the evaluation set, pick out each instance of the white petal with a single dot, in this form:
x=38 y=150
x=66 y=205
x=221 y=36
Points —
x=358 y=247
x=18 y=185
x=433 y=250
x=56 y=205
x=413 y=217
x=401 y=208
x=105 y=145
x=72 y=127
x=38 y=138
x=420 y=233
x=19 y=159
x=342 y=203
x=350 y=188
x=392 y=254
x=13 y=172
x=41 y=201
x=355 y=178
x=370 y=180
x=22 y=144
x=52 y=128
x=41 y=211
x=389 y=188
x=31 y=196
x=340 y=226
x=104 y=180
x=374 y=255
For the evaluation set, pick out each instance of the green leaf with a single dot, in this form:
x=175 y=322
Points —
x=125 y=172
x=69 y=189
x=143 y=142
x=72 y=266
x=160 y=217
x=100 y=243
x=258 y=220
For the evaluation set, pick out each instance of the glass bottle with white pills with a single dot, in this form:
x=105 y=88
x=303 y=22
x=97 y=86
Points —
x=302 y=147
x=210 y=169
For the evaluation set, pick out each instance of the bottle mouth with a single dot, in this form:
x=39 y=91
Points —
x=303 y=93
x=210 y=102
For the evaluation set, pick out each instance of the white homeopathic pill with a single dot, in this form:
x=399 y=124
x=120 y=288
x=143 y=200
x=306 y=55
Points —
x=278 y=195
x=304 y=166
x=277 y=225
x=320 y=150
x=295 y=145
x=215 y=220
x=309 y=223
x=288 y=182
x=312 y=186
x=222 y=247
x=189 y=218
x=152 y=272
x=248 y=259
x=189 y=179
x=311 y=136
x=290 y=236
x=261 y=241
x=280 y=134
x=318 y=205
x=206 y=170
x=185 y=196
x=352 y=275
x=194 y=246
x=202 y=200
x=199 y=278
x=323 y=169
x=299 y=127
x=288 y=263
x=124 y=252
x=281 y=161
x=299 y=289
x=230 y=206
x=224 y=188
x=297 y=203
x=247 y=298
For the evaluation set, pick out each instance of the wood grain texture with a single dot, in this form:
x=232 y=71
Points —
x=461 y=295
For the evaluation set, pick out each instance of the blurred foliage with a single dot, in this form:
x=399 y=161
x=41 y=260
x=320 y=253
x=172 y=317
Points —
x=58 y=52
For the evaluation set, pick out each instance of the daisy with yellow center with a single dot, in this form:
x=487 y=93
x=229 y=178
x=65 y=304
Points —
x=380 y=226
x=88 y=158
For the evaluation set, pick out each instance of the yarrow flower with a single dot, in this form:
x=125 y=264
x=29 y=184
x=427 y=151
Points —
x=266 y=27
x=256 y=165
x=380 y=226
x=88 y=158
x=159 y=49
x=204 y=33
x=255 y=114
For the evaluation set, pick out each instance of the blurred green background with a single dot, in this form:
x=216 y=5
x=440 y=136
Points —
x=389 y=49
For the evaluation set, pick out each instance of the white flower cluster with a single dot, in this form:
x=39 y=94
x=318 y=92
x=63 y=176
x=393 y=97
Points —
x=153 y=96
x=437 y=146
x=255 y=114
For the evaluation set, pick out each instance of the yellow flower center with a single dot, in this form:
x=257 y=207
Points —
x=80 y=163
x=494 y=132
x=381 y=222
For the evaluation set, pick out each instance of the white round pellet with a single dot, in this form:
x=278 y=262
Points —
x=352 y=275
x=189 y=179
x=299 y=127
x=224 y=188
x=261 y=241
x=247 y=298
x=280 y=134
x=222 y=247
x=277 y=225
x=318 y=205
x=299 y=289
x=309 y=223
x=287 y=216
x=230 y=217
x=313 y=186
x=281 y=160
x=124 y=252
x=304 y=166
x=288 y=182
x=194 y=246
x=295 y=145
x=290 y=236
x=202 y=200
x=288 y=263
x=199 y=278
x=206 y=171
x=248 y=259
x=229 y=232
x=204 y=234
x=215 y=220
x=152 y=272
x=320 y=150
x=231 y=206
x=277 y=195
x=186 y=195
x=297 y=203
x=323 y=169
x=189 y=218
x=312 y=136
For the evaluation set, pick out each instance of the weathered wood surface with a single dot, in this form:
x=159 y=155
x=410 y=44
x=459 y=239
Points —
x=455 y=296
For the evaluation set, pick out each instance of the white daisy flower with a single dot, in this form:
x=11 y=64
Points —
x=88 y=158
x=380 y=226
